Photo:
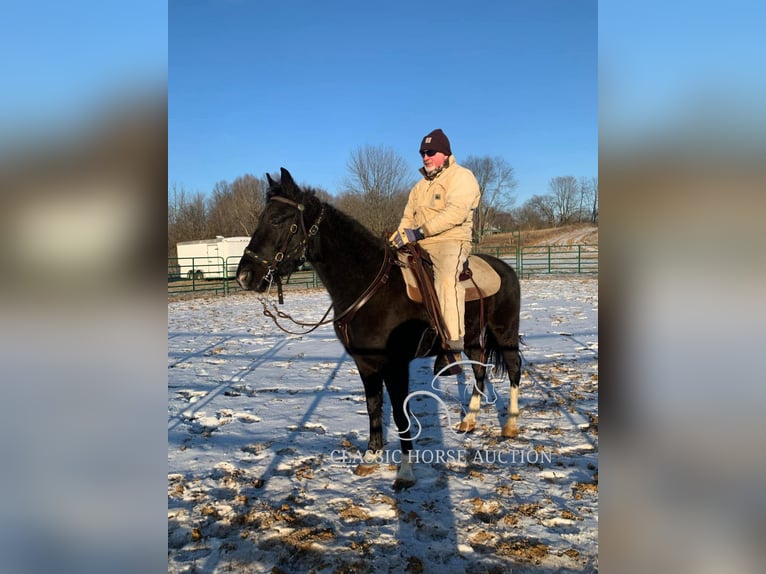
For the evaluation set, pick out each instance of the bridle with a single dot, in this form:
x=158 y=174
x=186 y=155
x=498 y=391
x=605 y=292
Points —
x=272 y=267
x=272 y=272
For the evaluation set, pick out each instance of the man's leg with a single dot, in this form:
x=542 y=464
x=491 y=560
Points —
x=448 y=259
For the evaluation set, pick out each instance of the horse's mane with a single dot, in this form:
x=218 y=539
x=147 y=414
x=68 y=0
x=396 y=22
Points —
x=342 y=224
x=365 y=238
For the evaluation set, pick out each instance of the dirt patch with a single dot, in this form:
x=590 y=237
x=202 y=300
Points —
x=576 y=234
x=523 y=549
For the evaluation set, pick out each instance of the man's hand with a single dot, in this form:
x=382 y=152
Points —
x=402 y=237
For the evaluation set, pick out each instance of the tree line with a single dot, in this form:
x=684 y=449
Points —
x=375 y=192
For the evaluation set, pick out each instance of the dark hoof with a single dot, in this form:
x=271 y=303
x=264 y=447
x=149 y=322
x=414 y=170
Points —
x=402 y=483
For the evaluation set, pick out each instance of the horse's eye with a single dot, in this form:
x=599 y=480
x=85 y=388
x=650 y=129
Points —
x=278 y=220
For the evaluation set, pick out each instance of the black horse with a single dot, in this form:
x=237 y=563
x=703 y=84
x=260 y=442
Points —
x=380 y=327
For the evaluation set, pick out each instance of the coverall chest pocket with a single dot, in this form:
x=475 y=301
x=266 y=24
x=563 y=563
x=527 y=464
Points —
x=438 y=199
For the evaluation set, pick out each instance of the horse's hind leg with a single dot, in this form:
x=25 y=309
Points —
x=468 y=423
x=504 y=345
x=513 y=363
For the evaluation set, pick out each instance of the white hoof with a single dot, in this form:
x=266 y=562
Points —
x=510 y=430
x=467 y=426
x=405 y=477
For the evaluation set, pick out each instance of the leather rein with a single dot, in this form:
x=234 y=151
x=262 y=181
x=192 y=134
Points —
x=272 y=274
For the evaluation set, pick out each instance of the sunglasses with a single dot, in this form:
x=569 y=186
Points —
x=429 y=152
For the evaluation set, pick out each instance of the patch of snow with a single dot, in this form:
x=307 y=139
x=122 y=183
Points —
x=265 y=430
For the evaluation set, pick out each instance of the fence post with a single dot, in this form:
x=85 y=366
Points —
x=549 y=259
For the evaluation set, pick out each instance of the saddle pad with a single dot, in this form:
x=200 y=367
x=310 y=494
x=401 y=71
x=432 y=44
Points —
x=485 y=277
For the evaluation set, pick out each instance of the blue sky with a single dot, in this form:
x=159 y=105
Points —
x=688 y=64
x=256 y=85
x=64 y=60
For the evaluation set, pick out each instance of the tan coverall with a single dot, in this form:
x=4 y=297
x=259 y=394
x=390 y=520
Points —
x=442 y=206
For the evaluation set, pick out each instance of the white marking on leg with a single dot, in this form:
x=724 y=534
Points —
x=475 y=393
x=473 y=406
x=509 y=429
x=405 y=477
x=469 y=421
x=514 y=406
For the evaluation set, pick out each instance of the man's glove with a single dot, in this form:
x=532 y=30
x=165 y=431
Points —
x=402 y=237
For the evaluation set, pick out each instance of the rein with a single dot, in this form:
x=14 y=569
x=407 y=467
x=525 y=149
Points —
x=380 y=279
x=346 y=316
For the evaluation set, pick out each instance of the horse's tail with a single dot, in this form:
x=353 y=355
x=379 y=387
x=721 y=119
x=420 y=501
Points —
x=493 y=353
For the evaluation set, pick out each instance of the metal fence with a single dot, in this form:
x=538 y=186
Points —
x=216 y=276
x=548 y=259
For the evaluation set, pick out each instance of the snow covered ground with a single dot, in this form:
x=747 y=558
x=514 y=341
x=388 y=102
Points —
x=264 y=427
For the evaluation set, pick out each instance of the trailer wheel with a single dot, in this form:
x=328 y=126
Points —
x=190 y=275
x=198 y=275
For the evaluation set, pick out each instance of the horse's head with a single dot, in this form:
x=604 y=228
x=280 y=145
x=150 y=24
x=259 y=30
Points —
x=280 y=241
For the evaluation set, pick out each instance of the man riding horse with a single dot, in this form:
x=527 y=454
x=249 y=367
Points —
x=439 y=216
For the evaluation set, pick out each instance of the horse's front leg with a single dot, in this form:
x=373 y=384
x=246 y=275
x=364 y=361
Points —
x=397 y=383
x=373 y=393
x=468 y=423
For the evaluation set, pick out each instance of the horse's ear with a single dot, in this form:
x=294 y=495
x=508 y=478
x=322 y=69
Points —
x=272 y=183
x=287 y=179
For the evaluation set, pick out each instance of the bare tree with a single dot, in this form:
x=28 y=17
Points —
x=594 y=208
x=235 y=206
x=564 y=193
x=497 y=181
x=378 y=177
x=351 y=204
x=220 y=207
x=506 y=220
x=583 y=200
x=538 y=211
x=187 y=217
x=322 y=194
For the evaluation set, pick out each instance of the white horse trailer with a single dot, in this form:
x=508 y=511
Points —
x=210 y=258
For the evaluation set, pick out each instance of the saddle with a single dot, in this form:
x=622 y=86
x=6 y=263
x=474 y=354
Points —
x=417 y=270
x=480 y=279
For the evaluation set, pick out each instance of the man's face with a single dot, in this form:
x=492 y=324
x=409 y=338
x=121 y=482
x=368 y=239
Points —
x=432 y=160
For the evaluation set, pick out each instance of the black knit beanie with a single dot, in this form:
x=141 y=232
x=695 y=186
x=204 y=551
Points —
x=436 y=141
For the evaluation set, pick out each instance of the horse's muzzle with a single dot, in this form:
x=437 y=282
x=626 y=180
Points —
x=251 y=281
x=244 y=278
